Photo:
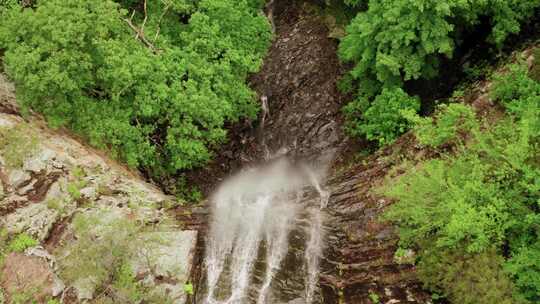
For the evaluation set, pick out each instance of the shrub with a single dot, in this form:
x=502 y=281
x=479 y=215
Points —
x=188 y=289
x=451 y=123
x=374 y=298
x=467 y=279
x=21 y=242
x=462 y=212
x=383 y=120
x=524 y=267
x=157 y=101
x=17 y=143
x=125 y=284
x=515 y=90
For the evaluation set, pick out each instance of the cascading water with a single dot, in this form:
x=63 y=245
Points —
x=255 y=217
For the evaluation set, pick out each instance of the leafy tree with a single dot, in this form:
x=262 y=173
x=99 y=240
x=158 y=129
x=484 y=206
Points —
x=467 y=278
x=383 y=120
x=451 y=123
x=157 y=99
x=399 y=40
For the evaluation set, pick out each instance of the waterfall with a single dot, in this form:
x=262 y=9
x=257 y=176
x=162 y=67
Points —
x=253 y=216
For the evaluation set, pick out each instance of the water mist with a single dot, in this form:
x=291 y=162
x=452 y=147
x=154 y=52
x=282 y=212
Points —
x=254 y=214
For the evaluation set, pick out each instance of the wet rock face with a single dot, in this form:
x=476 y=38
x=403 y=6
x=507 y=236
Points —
x=299 y=81
x=48 y=180
x=359 y=260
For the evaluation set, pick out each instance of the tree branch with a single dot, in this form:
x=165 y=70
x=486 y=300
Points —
x=140 y=36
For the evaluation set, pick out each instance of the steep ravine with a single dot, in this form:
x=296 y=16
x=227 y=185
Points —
x=298 y=81
x=304 y=122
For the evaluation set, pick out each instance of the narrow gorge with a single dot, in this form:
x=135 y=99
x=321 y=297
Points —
x=269 y=152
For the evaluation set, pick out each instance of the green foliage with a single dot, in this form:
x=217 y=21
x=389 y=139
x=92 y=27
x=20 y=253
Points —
x=460 y=212
x=188 y=289
x=186 y=193
x=451 y=123
x=161 y=108
x=389 y=51
x=394 y=41
x=6 y=5
x=374 y=298
x=21 y=242
x=515 y=90
x=23 y=297
x=17 y=143
x=126 y=285
x=467 y=279
x=524 y=266
x=383 y=120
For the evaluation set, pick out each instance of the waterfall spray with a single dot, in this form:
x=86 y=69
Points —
x=255 y=209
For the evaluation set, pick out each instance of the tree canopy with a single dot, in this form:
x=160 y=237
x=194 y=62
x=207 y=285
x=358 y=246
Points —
x=394 y=41
x=152 y=82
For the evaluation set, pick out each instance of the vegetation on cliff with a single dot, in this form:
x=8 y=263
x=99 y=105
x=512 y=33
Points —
x=156 y=82
x=475 y=210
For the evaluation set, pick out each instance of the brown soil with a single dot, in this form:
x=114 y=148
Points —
x=28 y=275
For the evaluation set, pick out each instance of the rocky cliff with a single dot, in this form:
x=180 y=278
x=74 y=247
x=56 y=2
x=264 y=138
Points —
x=73 y=221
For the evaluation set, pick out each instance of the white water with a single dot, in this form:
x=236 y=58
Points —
x=255 y=208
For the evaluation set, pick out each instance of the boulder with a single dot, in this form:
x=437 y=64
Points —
x=165 y=263
x=18 y=177
x=34 y=219
x=44 y=160
x=85 y=289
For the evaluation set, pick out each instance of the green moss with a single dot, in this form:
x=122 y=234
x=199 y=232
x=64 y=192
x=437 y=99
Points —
x=17 y=144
